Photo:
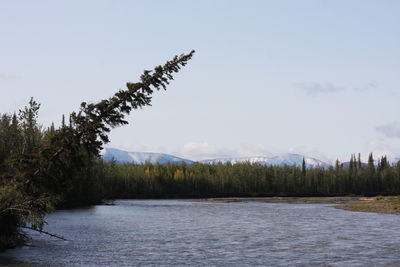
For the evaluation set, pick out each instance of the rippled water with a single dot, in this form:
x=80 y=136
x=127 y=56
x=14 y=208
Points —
x=179 y=233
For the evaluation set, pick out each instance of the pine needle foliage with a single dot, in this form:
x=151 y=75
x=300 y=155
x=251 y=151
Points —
x=94 y=121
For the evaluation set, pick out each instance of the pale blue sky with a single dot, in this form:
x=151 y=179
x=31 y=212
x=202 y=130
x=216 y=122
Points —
x=313 y=77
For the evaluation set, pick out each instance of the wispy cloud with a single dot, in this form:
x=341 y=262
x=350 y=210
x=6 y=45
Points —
x=9 y=76
x=316 y=88
x=202 y=150
x=366 y=87
x=390 y=130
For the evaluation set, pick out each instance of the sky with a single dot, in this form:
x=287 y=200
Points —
x=319 y=78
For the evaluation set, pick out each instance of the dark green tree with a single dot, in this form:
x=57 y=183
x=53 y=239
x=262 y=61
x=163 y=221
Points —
x=303 y=167
x=371 y=166
x=383 y=163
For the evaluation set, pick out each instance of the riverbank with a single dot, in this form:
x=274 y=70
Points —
x=379 y=204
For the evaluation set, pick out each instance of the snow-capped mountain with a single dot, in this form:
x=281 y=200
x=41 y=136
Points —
x=290 y=159
x=121 y=156
x=287 y=159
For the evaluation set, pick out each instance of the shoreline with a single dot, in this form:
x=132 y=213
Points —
x=379 y=204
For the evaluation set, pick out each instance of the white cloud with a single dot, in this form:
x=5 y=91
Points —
x=379 y=149
x=249 y=150
x=202 y=150
x=316 y=88
x=390 y=130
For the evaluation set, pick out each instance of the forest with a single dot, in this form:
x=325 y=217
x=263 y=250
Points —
x=247 y=180
x=48 y=168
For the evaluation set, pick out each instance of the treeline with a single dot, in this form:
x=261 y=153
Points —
x=246 y=179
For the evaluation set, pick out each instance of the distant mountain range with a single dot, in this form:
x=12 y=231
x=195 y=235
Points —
x=287 y=159
x=121 y=156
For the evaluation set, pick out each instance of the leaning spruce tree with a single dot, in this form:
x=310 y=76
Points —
x=93 y=122
x=58 y=171
x=88 y=129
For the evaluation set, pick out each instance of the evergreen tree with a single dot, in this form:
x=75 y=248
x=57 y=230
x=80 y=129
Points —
x=303 y=167
x=337 y=165
x=30 y=130
x=371 y=166
x=351 y=163
x=384 y=164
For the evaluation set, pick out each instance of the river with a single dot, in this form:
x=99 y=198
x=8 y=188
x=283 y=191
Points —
x=184 y=233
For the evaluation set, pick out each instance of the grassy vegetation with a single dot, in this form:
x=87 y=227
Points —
x=380 y=204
